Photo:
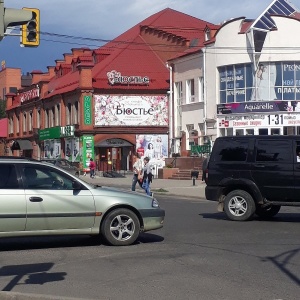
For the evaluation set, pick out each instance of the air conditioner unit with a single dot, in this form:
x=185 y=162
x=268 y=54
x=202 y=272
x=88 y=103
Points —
x=193 y=132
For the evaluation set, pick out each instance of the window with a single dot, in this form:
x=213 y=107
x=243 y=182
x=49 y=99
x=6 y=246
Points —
x=57 y=115
x=18 y=124
x=30 y=121
x=36 y=177
x=47 y=118
x=190 y=89
x=69 y=113
x=207 y=35
x=38 y=118
x=273 y=150
x=76 y=116
x=24 y=122
x=178 y=93
x=11 y=125
x=8 y=177
x=52 y=117
x=232 y=150
x=200 y=89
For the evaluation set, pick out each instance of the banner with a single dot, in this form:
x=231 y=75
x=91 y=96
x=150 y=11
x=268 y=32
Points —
x=131 y=110
x=87 y=151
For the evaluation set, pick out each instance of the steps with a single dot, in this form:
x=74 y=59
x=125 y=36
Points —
x=186 y=174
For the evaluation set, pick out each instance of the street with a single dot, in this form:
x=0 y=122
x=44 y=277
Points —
x=198 y=254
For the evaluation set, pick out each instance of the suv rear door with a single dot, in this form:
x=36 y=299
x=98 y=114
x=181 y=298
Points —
x=272 y=169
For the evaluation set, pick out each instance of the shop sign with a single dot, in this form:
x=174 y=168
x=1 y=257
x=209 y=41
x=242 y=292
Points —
x=114 y=77
x=260 y=106
x=56 y=132
x=87 y=110
x=87 y=151
x=259 y=120
x=29 y=95
x=113 y=143
x=131 y=110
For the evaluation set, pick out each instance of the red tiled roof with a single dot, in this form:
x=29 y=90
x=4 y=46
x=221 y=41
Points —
x=3 y=127
x=132 y=55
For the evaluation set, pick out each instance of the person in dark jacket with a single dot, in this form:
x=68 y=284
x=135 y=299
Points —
x=147 y=176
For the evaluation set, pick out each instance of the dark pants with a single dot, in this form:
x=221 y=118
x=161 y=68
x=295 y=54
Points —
x=134 y=181
x=92 y=173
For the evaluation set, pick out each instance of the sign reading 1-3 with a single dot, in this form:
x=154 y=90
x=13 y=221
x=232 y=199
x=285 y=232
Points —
x=87 y=110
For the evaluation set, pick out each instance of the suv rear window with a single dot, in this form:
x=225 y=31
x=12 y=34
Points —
x=231 y=150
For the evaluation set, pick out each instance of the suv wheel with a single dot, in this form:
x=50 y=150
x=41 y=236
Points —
x=267 y=211
x=239 y=205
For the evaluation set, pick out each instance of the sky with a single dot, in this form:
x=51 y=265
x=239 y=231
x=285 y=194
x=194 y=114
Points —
x=105 y=20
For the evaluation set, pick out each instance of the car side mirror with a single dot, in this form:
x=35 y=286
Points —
x=76 y=185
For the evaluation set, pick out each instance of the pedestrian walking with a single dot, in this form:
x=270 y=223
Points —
x=147 y=176
x=92 y=167
x=137 y=171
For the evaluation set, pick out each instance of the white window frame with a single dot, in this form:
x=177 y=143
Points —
x=179 y=92
x=190 y=91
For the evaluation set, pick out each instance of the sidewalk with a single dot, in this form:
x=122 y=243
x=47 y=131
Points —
x=183 y=188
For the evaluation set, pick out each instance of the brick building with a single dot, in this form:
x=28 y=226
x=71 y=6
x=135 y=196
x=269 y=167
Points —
x=105 y=103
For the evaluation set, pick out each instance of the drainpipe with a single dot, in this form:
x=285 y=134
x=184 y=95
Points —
x=170 y=104
x=204 y=91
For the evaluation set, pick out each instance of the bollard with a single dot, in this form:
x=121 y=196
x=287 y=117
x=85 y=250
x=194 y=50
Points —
x=194 y=175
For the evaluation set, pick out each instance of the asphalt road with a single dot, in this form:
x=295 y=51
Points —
x=198 y=254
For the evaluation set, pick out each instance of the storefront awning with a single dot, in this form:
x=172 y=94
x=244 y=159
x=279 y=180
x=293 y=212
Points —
x=21 y=145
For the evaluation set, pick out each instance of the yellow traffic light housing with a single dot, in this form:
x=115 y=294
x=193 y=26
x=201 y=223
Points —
x=30 y=35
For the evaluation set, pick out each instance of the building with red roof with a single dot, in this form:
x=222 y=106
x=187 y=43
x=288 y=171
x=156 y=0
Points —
x=108 y=102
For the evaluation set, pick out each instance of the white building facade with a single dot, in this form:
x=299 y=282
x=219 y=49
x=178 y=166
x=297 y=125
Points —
x=252 y=77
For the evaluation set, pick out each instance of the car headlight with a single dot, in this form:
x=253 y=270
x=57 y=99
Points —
x=155 y=203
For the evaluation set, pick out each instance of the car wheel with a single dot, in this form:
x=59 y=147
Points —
x=239 y=205
x=267 y=211
x=120 y=227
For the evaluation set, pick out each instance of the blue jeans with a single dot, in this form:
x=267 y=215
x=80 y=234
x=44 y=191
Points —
x=92 y=173
x=134 y=181
x=146 y=187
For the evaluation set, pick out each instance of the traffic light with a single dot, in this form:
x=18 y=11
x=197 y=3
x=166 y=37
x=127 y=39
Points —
x=12 y=17
x=30 y=33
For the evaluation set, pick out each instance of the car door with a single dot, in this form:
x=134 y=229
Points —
x=297 y=169
x=272 y=169
x=52 y=204
x=12 y=200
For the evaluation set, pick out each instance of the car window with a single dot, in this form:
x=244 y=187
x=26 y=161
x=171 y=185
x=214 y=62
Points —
x=273 y=150
x=9 y=178
x=41 y=177
x=231 y=150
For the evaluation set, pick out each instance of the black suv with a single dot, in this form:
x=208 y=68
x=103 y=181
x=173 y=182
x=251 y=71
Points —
x=250 y=175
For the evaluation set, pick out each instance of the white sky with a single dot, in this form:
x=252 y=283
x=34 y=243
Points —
x=106 y=19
